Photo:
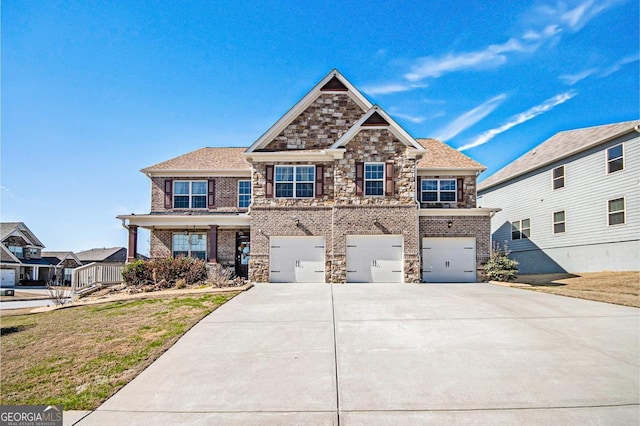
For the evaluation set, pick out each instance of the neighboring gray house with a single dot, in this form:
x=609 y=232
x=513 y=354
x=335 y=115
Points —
x=103 y=255
x=572 y=204
x=21 y=259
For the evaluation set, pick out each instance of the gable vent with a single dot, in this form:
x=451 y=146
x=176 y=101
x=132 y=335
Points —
x=334 y=85
x=375 y=120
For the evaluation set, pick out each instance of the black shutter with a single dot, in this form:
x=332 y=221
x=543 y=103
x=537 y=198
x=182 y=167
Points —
x=211 y=194
x=168 y=189
x=359 y=177
x=269 y=180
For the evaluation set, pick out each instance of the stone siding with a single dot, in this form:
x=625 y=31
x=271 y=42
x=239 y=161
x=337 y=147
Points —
x=320 y=125
x=226 y=199
x=461 y=226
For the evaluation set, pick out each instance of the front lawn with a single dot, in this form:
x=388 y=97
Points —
x=78 y=357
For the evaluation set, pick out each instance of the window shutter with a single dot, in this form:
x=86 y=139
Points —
x=359 y=177
x=319 y=181
x=168 y=188
x=211 y=194
x=389 y=179
x=269 y=181
x=460 y=188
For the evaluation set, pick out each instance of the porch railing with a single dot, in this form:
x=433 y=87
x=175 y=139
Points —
x=96 y=274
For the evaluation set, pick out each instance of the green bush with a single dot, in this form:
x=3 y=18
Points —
x=500 y=267
x=165 y=273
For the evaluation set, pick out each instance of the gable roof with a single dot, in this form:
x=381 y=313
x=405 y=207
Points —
x=375 y=117
x=57 y=257
x=18 y=228
x=441 y=156
x=332 y=82
x=203 y=159
x=559 y=146
x=97 y=254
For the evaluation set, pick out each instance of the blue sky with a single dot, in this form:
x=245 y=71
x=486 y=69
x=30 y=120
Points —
x=94 y=91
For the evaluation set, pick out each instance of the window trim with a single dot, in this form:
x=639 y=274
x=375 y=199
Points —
x=521 y=229
x=623 y=211
x=608 y=161
x=383 y=180
x=294 y=182
x=438 y=190
x=189 y=251
x=563 y=222
x=190 y=195
x=249 y=194
x=563 y=177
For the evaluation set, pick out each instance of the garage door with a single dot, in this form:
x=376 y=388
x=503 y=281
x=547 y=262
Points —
x=449 y=260
x=374 y=259
x=8 y=278
x=296 y=260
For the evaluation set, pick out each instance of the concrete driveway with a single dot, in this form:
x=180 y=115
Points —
x=393 y=354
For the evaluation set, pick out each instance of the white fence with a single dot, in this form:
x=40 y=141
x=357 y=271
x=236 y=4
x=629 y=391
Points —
x=96 y=273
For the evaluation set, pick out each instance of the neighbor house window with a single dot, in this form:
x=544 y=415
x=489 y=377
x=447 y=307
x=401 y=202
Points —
x=558 y=177
x=295 y=181
x=616 y=211
x=373 y=178
x=190 y=245
x=615 y=159
x=190 y=194
x=559 y=222
x=437 y=190
x=520 y=229
x=244 y=193
x=17 y=251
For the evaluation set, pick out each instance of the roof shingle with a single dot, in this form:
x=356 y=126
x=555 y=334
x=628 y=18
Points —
x=441 y=156
x=204 y=159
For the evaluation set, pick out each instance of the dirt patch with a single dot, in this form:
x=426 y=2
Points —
x=620 y=288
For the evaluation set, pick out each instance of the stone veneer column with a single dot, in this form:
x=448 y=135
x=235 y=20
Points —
x=132 y=249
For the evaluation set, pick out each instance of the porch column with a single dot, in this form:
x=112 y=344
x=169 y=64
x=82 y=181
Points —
x=132 y=250
x=213 y=244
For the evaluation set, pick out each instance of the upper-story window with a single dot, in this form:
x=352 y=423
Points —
x=17 y=251
x=520 y=229
x=294 y=181
x=615 y=159
x=616 y=211
x=189 y=194
x=244 y=193
x=374 y=178
x=559 y=222
x=558 y=177
x=437 y=190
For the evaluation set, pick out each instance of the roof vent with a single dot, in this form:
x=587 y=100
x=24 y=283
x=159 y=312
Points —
x=334 y=85
x=375 y=120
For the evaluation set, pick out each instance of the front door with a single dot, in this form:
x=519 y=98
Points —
x=243 y=246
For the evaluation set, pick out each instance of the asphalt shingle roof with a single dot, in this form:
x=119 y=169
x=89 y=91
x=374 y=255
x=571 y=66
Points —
x=204 y=159
x=97 y=254
x=441 y=156
x=560 y=145
x=7 y=228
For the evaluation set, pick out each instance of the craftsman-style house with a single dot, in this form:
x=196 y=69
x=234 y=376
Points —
x=335 y=191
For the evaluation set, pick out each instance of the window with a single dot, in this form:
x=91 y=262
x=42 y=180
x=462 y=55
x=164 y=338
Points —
x=244 y=193
x=17 y=251
x=190 y=245
x=33 y=251
x=559 y=222
x=438 y=190
x=616 y=211
x=558 y=177
x=190 y=194
x=520 y=229
x=373 y=178
x=615 y=159
x=295 y=181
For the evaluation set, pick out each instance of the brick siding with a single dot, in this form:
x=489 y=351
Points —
x=226 y=199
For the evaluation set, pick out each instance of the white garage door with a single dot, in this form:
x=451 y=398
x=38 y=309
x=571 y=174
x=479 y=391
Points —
x=8 y=278
x=449 y=260
x=374 y=259
x=296 y=260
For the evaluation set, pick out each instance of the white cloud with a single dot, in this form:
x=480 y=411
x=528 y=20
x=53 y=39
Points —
x=572 y=79
x=470 y=118
x=616 y=67
x=527 y=115
x=411 y=118
x=385 y=89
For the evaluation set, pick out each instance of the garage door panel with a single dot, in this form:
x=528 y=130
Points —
x=8 y=277
x=374 y=258
x=451 y=259
x=297 y=259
